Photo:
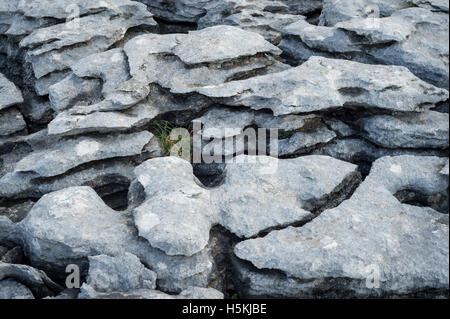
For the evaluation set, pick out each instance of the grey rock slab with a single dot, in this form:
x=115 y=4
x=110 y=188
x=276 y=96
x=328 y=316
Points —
x=358 y=150
x=182 y=62
x=29 y=276
x=416 y=38
x=8 y=232
x=72 y=90
x=9 y=94
x=337 y=11
x=371 y=233
x=300 y=183
x=68 y=226
x=123 y=97
x=189 y=293
x=384 y=30
x=220 y=122
x=43 y=84
x=415 y=130
x=263 y=17
x=445 y=169
x=178 y=212
x=441 y=5
x=125 y=272
x=304 y=141
x=221 y=43
x=57 y=47
x=11 y=121
x=11 y=289
x=177 y=11
x=66 y=155
x=81 y=120
x=201 y=293
x=26 y=185
x=324 y=84
x=109 y=66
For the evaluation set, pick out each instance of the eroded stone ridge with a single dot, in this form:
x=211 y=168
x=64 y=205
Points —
x=370 y=233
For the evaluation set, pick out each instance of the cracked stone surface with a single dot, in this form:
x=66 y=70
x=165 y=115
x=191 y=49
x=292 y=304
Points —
x=70 y=225
x=370 y=231
x=402 y=38
x=346 y=185
x=322 y=84
x=418 y=130
x=163 y=221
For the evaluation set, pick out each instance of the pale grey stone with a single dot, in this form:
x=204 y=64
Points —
x=189 y=293
x=343 y=10
x=324 y=84
x=59 y=9
x=11 y=121
x=29 y=276
x=400 y=39
x=66 y=155
x=441 y=5
x=68 y=226
x=109 y=66
x=201 y=293
x=26 y=185
x=412 y=130
x=43 y=84
x=81 y=120
x=220 y=122
x=57 y=47
x=372 y=234
x=11 y=289
x=357 y=150
x=182 y=62
x=304 y=141
x=121 y=273
x=123 y=97
x=445 y=170
x=72 y=90
x=8 y=232
x=178 y=213
x=9 y=94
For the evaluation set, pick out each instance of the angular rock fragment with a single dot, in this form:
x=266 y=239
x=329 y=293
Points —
x=9 y=94
x=220 y=122
x=370 y=237
x=11 y=121
x=72 y=90
x=343 y=10
x=66 y=155
x=415 y=130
